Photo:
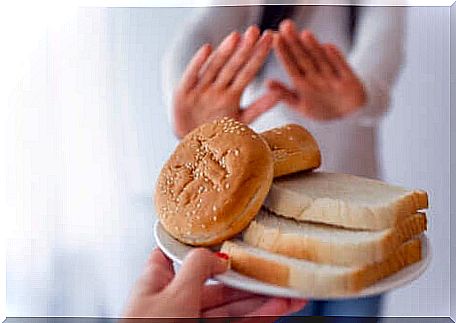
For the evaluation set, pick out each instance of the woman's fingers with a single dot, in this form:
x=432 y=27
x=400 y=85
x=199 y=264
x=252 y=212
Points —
x=317 y=52
x=218 y=59
x=218 y=294
x=285 y=57
x=237 y=308
x=252 y=66
x=287 y=95
x=191 y=74
x=199 y=265
x=260 y=106
x=338 y=60
x=287 y=31
x=157 y=257
x=241 y=56
x=278 y=307
x=158 y=273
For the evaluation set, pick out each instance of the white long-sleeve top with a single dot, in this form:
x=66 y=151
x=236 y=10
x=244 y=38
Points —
x=348 y=145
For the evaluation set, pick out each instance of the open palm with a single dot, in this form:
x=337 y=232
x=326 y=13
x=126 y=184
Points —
x=325 y=87
x=214 y=82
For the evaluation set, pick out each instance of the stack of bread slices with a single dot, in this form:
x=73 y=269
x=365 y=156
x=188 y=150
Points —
x=327 y=234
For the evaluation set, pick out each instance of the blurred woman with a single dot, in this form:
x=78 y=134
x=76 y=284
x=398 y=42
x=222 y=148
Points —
x=332 y=71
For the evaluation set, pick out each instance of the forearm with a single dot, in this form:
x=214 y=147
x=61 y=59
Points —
x=377 y=57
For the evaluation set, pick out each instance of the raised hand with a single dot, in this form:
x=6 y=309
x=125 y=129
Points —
x=214 y=82
x=324 y=85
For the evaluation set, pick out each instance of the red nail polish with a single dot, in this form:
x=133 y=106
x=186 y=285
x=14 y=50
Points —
x=222 y=255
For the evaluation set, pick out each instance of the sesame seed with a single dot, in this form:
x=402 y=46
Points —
x=203 y=226
x=214 y=208
x=290 y=138
x=214 y=218
x=227 y=185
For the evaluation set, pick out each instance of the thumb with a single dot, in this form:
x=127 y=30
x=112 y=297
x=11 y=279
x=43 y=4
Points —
x=260 y=106
x=199 y=265
x=287 y=94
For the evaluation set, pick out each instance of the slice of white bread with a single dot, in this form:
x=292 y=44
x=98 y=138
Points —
x=344 y=200
x=314 y=279
x=328 y=244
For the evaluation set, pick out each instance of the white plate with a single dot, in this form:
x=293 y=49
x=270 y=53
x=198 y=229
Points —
x=177 y=252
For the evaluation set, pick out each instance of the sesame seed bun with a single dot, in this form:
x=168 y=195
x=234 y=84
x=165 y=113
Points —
x=294 y=149
x=214 y=183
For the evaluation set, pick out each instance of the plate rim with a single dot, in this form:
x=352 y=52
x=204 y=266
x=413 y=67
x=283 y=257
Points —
x=229 y=278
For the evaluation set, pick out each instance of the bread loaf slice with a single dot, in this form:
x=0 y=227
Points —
x=327 y=244
x=293 y=148
x=343 y=200
x=317 y=280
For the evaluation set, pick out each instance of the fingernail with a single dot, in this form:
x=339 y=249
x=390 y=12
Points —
x=230 y=40
x=307 y=34
x=222 y=255
x=289 y=23
x=233 y=34
x=252 y=28
x=267 y=32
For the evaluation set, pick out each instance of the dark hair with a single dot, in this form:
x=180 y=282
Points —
x=274 y=14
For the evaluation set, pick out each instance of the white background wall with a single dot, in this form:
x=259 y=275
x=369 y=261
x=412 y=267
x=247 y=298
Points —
x=415 y=151
x=453 y=162
x=89 y=134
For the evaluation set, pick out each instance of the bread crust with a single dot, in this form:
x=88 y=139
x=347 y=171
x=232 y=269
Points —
x=266 y=270
x=214 y=183
x=294 y=149
x=407 y=254
x=334 y=252
x=340 y=212
x=321 y=283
